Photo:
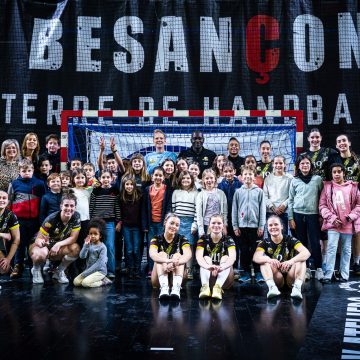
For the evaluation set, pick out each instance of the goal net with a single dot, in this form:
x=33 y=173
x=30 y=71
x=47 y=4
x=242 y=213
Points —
x=132 y=130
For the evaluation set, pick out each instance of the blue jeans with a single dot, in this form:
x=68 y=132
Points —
x=308 y=232
x=132 y=237
x=333 y=240
x=154 y=229
x=185 y=228
x=110 y=246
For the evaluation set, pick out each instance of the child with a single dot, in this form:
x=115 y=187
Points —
x=156 y=204
x=75 y=163
x=169 y=171
x=181 y=165
x=44 y=168
x=25 y=195
x=264 y=166
x=210 y=201
x=229 y=185
x=215 y=253
x=52 y=151
x=65 y=177
x=184 y=206
x=9 y=234
x=50 y=202
x=104 y=203
x=248 y=219
x=137 y=169
x=130 y=208
x=82 y=193
x=194 y=170
x=91 y=180
x=217 y=166
x=304 y=194
x=250 y=161
x=340 y=208
x=95 y=253
x=276 y=190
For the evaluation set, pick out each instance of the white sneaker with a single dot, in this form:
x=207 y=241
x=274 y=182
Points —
x=273 y=291
x=164 y=292
x=46 y=266
x=319 y=274
x=175 y=292
x=37 y=276
x=296 y=293
x=60 y=277
x=308 y=274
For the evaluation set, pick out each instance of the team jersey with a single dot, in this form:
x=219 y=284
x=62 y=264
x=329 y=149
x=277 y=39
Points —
x=176 y=246
x=320 y=159
x=215 y=250
x=8 y=221
x=283 y=251
x=57 y=230
x=352 y=168
x=263 y=169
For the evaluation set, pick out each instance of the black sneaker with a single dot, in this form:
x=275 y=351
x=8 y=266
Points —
x=356 y=269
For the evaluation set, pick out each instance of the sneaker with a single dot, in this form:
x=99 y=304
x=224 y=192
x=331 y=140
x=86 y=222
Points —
x=37 y=276
x=319 y=274
x=259 y=278
x=60 y=276
x=190 y=274
x=236 y=274
x=356 y=269
x=326 y=281
x=273 y=291
x=245 y=277
x=217 y=292
x=175 y=292
x=106 y=281
x=341 y=279
x=296 y=293
x=46 y=266
x=205 y=292
x=17 y=271
x=164 y=292
x=308 y=274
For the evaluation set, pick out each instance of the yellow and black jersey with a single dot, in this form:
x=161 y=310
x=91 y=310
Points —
x=170 y=248
x=8 y=221
x=215 y=250
x=283 y=251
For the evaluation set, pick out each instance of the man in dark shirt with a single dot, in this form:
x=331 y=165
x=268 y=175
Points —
x=234 y=157
x=197 y=152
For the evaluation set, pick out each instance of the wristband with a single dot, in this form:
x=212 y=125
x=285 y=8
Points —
x=114 y=151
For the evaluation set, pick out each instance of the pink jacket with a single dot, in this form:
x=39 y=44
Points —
x=329 y=212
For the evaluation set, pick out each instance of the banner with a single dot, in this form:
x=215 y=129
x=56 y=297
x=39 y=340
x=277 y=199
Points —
x=88 y=54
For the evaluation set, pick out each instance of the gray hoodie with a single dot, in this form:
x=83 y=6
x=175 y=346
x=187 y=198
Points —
x=249 y=208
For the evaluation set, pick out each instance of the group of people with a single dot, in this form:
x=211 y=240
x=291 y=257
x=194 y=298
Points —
x=230 y=217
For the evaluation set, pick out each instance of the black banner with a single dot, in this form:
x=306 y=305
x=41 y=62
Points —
x=179 y=55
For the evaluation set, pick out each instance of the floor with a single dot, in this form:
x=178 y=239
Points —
x=59 y=321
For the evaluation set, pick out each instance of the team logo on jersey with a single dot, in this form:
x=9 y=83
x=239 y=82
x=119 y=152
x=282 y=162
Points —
x=351 y=286
x=47 y=225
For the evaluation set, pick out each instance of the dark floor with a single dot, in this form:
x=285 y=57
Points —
x=54 y=321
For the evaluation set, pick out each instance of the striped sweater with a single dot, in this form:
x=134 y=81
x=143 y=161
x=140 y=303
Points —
x=183 y=202
x=104 y=203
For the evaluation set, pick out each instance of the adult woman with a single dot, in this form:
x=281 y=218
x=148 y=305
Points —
x=215 y=254
x=304 y=194
x=30 y=148
x=340 y=208
x=170 y=252
x=281 y=259
x=319 y=155
x=56 y=240
x=9 y=170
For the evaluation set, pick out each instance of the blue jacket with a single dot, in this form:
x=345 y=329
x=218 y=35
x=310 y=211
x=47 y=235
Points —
x=229 y=190
x=146 y=207
x=50 y=203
